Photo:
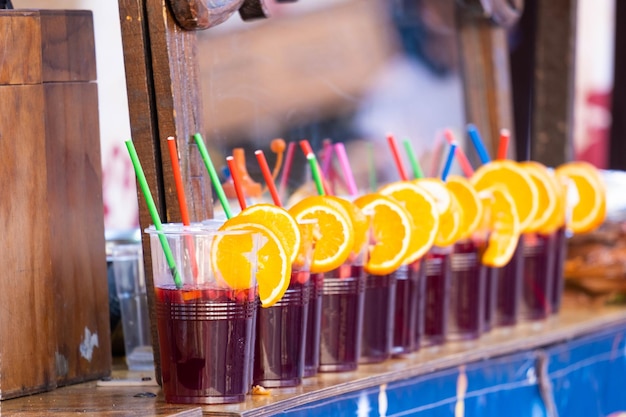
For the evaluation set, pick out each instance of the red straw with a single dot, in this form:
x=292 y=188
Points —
x=503 y=145
x=306 y=148
x=396 y=157
x=182 y=201
x=236 y=176
x=291 y=147
x=460 y=155
x=267 y=174
x=436 y=158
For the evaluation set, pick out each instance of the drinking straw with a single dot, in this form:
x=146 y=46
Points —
x=449 y=159
x=143 y=184
x=315 y=173
x=213 y=175
x=436 y=158
x=415 y=164
x=396 y=157
x=478 y=144
x=277 y=146
x=291 y=147
x=371 y=167
x=327 y=156
x=236 y=177
x=503 y=145
x=460 y=155
x=267 y=175
x=182 y=201
x=306 y=148
x=344 y=163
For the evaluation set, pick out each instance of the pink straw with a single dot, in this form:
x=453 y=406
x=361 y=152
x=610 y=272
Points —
x=344 y=163
x=503 y=145
x=460 y=155
x=396 y=157
x=236 y=177
x=291 y=147
x=327 y=156
x=436 y=159
x=267 y=174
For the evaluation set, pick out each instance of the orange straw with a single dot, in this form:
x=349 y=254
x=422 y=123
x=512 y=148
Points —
x=182 y=201
x=267 y=175
x=503 y=145
x=460 y=155
x=236 y=176
x=396 y=157
x=306 y=148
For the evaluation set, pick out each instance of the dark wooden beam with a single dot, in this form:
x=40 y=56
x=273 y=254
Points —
x=617 y=145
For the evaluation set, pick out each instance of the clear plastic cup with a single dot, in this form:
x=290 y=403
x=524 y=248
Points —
x=409 y=310
x=437 y=270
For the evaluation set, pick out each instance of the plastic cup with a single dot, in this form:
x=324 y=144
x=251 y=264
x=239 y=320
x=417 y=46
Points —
x=558 y=279
x=409 y=312
x=437 y=269
x=377 y=335
x=343 y=296
x=282 y=328
x=313 y=326
x=205 y=329
x=130 y=285
x=508 y=281
x=467 y=292
x=539 y=254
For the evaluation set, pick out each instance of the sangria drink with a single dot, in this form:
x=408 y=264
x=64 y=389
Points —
x=409 y=312
x=378 y=318
x=539 y=254
x=437 y=269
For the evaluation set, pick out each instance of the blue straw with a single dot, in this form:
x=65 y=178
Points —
x=449 y=159
x=478 y=144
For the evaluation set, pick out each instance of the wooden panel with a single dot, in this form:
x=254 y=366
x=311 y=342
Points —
x=68 y=49
x=20 y=54
x=77 y=244
x=554 y=82
x=617 y=153
x=486 y=79
x=26 y=301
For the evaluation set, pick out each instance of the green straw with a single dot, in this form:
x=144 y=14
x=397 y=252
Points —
x=143 y=184
x=415 y=164
x=315 y=172
x=213 y=174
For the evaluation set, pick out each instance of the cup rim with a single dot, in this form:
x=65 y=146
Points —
x=178 y=229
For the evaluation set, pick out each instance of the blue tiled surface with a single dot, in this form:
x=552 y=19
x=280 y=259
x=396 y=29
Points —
x=588 y=378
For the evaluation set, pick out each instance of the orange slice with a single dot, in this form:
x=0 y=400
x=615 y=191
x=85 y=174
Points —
x=516 y=180
x=589 y=211
x=391 y=233
x=422 y=209
x=450 y=214
x=360 y=222
x=504 y=225
x=547 y=194
x=336 y=234
x=557 y=219
x=276 y=219
x=469 y=203
x=273 y=268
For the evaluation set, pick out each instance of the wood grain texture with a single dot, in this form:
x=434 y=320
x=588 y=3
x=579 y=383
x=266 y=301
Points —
x=163 y=97
x=554 y=82
x=27 y=339
x=486 y=79
x=75 y=208
x=20 y=47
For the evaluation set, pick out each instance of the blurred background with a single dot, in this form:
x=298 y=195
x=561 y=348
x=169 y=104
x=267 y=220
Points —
x=344 y=70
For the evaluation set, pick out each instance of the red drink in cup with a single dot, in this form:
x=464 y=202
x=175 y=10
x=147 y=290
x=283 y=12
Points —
x=409 y=312
x=558 y=280
x=314 y=319
x=378 y=318
x=437 y=295
x=205 y=327
x=467 y=292
x=508 y=281
x=539 y=255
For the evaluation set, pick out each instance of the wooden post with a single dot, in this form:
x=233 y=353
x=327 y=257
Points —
x=164 y=100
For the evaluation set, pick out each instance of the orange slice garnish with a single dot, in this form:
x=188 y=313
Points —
x=547 y=194
x=450 y=214
x=503 y=223
x=469 y=203
x=360 y=223
x=589 y=211
x=424 y=215
x=336 y=235
x=391 y=233
x=518 y=183
x=273 y=268
x=276 y=219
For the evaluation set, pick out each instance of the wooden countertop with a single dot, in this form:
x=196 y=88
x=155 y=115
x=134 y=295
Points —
x=579 y=317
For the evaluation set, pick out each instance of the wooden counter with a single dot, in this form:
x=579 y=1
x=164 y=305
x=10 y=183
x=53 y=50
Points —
x=578 y=318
